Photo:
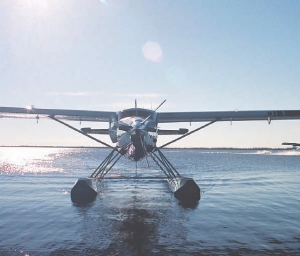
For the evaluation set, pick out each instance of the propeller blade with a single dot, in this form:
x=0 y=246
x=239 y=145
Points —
x=154 y=111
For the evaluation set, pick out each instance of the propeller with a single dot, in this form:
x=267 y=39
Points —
x=153 y=111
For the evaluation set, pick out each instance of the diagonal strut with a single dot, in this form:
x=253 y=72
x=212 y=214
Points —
x=85 y=134
x=189 y=133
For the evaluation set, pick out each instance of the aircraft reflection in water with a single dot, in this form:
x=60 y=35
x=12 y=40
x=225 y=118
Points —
x=132 y=224
x=138 y=229
x=135 y=132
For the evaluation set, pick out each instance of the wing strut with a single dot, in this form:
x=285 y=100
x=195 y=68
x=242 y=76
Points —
x=189 y=133
x=103 y=168
x=73 y=128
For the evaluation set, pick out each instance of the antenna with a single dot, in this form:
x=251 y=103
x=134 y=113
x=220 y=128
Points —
x=136 y=112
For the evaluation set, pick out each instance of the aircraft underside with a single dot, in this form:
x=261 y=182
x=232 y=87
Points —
x=135 y=144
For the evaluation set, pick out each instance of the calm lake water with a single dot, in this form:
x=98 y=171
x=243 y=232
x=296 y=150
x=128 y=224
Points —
x=250 y=204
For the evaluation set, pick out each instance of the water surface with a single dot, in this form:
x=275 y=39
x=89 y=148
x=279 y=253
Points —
x=249 y=204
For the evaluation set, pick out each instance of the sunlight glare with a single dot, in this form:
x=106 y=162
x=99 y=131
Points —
x=40 y=6
x=152 y=51
x=26 y=160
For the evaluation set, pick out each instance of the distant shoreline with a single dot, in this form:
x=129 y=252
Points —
x=213 y=148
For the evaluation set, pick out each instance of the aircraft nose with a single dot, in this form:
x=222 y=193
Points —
x=137 y=141
x=136 y=136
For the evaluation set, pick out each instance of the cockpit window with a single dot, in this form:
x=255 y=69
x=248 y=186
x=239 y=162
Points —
x=144 y=113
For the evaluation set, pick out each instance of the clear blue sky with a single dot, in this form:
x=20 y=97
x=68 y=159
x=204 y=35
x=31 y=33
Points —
x=199 y=55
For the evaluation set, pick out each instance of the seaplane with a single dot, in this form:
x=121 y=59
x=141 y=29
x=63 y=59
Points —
x=295 y=146
x=134 y=134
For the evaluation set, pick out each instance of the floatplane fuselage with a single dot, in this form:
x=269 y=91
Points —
x=135 y=137
x=295 y=146
x=135 y=132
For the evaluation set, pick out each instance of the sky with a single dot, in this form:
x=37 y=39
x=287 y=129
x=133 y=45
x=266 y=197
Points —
x=200 y=55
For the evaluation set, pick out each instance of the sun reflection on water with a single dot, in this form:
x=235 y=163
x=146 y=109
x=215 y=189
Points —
x=28 y=160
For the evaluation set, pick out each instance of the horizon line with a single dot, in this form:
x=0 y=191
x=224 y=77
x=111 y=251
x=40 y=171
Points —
x=57 y=146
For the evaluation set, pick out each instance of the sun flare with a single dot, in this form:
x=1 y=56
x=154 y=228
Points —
x=41 y=5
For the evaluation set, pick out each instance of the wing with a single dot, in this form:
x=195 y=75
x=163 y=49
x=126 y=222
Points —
x=173 y=117
x=291 y=144
x=63 y=114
